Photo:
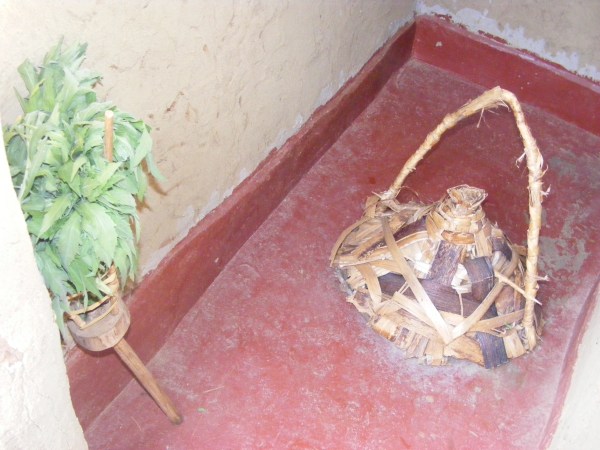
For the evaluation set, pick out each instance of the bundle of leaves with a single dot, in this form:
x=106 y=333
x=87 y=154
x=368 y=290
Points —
x=80 y=209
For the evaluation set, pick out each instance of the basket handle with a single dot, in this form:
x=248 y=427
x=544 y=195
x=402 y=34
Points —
x=491 y=99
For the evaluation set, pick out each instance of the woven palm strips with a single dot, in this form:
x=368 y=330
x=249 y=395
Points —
x=441 y=280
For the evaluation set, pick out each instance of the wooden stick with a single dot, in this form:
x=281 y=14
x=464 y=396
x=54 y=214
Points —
x=123 y=349
x=109 y=120
x=135 y=364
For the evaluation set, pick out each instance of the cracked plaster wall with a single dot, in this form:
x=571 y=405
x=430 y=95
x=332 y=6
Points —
x=563 y=32
x=221 y=82
x=35 y=404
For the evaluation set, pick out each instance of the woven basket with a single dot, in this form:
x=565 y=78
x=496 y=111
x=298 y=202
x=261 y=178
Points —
x=441 y=280
x=102 y=325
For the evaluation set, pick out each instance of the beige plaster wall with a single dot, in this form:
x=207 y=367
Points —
x=578 y=424
x=35 y=404
x=221 y=82
x=564 y=32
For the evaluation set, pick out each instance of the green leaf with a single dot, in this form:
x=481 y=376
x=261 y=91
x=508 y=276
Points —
x=95 y=110
x=83 y=279
x=68 y=239
x=95 y=186
x=121 y=261
x=22 y=102
x=60 y=145
x=107 y=173
x=137 y=226
x=123 y=228
x=36 y=100
x=9 y=132
x=75 y=185
x=36 y=153
x=56 y=211
x=87 y=254
x=77 y=164
x=142 y=181
x=94 y=137
x=78 y=272
x=153 y=168
x=54 y=52
x=68 y=171
x=126 y=254
x=54 y=275
x=91 y=285
x=123 y=148
x=54 y=118
x=34 y=203
x=34 y=224
x=143 y=149
x=50 y=184
x=128 y=126
x=16 y=153
x=101 y=228
x=28 y=74
x=102 y=287
x=52 y=76
x=60 y=306
x=118 y=199
x=129 y=183
x=69 y=89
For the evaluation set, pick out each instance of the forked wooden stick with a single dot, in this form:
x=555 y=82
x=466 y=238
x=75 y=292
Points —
x=135 y=364
x=490 y=99
x=122 y=348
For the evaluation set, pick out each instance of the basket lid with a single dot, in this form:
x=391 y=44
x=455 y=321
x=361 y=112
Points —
x=458 y=218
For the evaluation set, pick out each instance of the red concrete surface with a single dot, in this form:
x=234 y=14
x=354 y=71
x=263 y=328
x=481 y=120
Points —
x=271 y=356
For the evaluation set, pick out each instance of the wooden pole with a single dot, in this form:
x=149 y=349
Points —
x=143 y=375
x=123 y=349
x=109 y=118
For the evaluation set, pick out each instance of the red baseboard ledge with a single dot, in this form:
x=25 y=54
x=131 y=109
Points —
x=164 y=296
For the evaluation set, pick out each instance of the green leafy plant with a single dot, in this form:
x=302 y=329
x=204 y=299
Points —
x=80 y=209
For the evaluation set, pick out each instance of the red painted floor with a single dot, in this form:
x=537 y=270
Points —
x=271 y=356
